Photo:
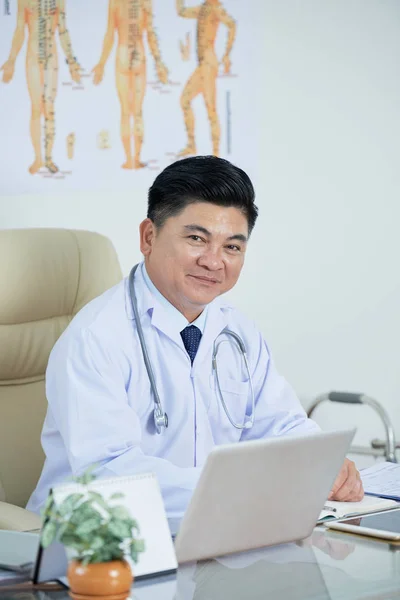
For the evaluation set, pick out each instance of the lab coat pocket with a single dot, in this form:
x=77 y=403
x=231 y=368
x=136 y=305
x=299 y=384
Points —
x=235 y=394
x=232 y=386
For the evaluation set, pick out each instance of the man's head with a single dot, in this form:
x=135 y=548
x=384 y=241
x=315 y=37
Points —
x=200 y=215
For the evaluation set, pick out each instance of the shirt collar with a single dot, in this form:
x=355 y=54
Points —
x=178 y=320
x=215 y=315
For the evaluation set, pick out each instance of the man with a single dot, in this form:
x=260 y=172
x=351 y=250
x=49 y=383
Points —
x=201 y=213
x=209 y=16
x=131 y=19
x=42 y=18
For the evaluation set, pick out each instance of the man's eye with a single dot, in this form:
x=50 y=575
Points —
x=195 y=238
x=234 y=248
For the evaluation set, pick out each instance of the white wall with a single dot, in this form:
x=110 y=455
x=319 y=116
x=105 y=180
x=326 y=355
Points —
x=322 y=277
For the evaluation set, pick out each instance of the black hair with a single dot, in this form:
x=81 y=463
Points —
x=200 y=179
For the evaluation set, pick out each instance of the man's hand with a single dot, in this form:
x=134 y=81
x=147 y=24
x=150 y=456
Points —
x=348 y=486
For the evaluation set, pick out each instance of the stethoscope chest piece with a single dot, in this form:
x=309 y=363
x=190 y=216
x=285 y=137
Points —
x=160 y=420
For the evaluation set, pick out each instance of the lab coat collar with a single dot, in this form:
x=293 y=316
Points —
x=149 y=304
x=216 y=316
x=178 y=320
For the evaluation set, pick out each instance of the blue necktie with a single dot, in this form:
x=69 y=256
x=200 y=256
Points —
x=191 y=337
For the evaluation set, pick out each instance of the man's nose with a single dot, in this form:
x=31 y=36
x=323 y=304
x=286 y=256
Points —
x=211 y=258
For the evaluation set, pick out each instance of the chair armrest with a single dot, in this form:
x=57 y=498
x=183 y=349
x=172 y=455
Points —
x=18 y=519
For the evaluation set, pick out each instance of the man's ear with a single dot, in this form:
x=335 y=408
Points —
x=147 y=233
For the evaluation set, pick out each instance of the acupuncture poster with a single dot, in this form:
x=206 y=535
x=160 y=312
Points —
x=103 y=94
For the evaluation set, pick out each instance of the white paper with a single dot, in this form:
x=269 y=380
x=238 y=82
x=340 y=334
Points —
x=366 y=505
x=382 y=479
x=142 y=497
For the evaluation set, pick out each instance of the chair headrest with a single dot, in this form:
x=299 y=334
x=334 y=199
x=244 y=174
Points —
x=46 y=277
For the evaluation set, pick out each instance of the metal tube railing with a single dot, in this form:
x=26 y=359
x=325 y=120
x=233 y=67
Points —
x=350 y=398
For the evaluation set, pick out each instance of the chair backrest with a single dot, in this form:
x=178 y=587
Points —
x=46 y=277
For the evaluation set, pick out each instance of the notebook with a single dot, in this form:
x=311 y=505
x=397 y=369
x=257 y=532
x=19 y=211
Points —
x=142 y=497
x=382 y=479
x=369 y=504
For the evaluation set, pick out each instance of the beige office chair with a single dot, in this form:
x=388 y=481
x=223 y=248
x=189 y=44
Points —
x=46 y=277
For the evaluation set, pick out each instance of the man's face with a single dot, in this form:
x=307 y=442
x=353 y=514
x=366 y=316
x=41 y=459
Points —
x=195 y=256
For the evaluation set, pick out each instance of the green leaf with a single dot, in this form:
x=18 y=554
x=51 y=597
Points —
x=48 y=504
x=134 y=555
x=97 y=543
x=88 y=526
x=71 y=541
x=117 y=496
x=62 y=529
x=48 y=534
x=84 y=512
x=120 y=529
x=69 y=503
x=96 y=497
x=139 y=545
x=120 y=513
x=108 y=552
x=87 y=476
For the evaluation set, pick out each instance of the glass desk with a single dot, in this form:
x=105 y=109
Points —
x=328 y=565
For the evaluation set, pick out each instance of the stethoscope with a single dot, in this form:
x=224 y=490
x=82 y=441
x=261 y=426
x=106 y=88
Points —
x=161 y=417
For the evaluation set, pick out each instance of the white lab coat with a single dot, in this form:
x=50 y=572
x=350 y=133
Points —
x=100 y=405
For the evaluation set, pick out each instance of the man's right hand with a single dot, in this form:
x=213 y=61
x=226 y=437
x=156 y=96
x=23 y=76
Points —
x=98 y=74
x=8 y=70
x=348 y=485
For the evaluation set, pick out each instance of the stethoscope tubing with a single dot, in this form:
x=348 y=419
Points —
x=160 y=417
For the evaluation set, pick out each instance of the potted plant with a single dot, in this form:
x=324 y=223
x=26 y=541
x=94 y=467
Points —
x=98 y=535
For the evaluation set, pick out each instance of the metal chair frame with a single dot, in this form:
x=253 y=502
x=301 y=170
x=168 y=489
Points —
x=386 y=448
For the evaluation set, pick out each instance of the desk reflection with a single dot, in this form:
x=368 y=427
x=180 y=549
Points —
x=288 y=571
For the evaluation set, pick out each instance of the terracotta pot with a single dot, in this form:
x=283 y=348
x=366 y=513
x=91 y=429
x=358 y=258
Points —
x=111 y=580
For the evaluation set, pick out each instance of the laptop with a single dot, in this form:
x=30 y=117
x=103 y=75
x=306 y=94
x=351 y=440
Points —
x=259 y=493
x=249 y=495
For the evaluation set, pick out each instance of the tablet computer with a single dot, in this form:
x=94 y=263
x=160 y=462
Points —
x=385 y=525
